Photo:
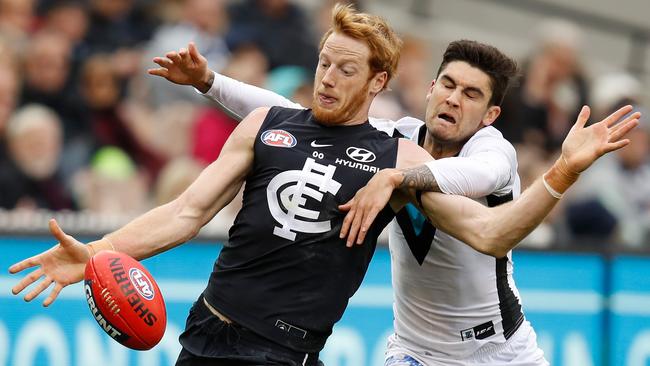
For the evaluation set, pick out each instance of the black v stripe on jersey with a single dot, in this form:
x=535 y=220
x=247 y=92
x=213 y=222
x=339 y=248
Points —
x=419 y=239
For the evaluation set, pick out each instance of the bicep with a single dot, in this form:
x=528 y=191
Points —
x=473 y=176
x=220 y=181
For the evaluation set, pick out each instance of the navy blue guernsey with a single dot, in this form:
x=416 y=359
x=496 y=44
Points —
x=284 y=272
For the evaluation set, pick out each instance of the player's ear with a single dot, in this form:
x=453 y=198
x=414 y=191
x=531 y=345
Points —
x=491 y=115
x=378 y=82
x=433 y=84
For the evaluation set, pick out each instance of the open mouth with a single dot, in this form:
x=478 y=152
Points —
x=447 y=117
x=326 y=99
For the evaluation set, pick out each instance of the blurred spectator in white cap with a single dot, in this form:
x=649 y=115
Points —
x=614 y=89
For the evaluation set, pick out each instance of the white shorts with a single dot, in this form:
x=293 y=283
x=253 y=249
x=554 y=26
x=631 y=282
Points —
x=520 y=350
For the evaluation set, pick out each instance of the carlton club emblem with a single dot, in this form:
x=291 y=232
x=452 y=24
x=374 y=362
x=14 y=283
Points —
x=360 y=154
x=278 y=138
x=287 y=194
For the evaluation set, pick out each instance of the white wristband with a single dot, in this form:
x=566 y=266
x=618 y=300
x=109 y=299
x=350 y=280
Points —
x=550 y=189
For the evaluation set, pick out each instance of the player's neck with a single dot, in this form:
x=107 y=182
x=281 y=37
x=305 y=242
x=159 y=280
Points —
x=441 y=149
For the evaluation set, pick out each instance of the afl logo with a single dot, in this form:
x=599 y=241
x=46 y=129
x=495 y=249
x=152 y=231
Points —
x=360 y=154
x=278 y=138
x=142 y=283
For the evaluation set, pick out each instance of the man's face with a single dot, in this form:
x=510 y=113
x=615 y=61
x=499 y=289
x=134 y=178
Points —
x=457 y=103
x=343 y=87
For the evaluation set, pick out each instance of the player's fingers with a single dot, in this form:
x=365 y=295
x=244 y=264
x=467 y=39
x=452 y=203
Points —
x=26 y=281
x=54 y=294
x=614 y=117
x=365 y=226
x=163 y=62
x=194 y=52
x=63 y=239
x=185 y=56
x=173 y=57
x=622 y=125
x=616 y=145
x=24 y=264
x=354 y=228
x=583 y=117
x=347 y=221
x=162 y=72
x=633 y=116
x=44 y=284
x=622 y=129
x=346 y=206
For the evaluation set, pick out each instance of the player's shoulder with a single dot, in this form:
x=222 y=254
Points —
x=488 y=138
x=403 y=127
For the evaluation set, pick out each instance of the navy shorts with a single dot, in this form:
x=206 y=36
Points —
x=208 y=341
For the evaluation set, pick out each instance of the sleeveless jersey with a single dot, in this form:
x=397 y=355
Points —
x=285 y=273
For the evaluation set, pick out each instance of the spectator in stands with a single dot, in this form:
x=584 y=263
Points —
x=553 y=89
x=16 y=20
x=612 y=201
x=248 y=64
x=201 y=21
x=112 y=185
x=9 y=84
x=29 y=177
x=47 y=81
x=101 y=92
x=212 y=126
x=278 y=27
x=414 y=62
x=174 y=178
x=119 y=28
x=69 y=18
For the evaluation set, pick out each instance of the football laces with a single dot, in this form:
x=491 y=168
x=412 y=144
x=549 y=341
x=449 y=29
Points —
x=110 y=302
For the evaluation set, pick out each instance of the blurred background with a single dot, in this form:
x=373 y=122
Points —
x=89 y=138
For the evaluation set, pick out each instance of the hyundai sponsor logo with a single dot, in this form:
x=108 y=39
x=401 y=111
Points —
x=360 y=154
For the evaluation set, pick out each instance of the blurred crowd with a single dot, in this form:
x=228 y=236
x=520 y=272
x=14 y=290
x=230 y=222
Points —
x=84 y=128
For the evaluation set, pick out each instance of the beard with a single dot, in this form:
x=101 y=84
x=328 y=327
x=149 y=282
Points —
x=343 y=113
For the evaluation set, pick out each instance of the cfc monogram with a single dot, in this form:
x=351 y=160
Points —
x=287 y=194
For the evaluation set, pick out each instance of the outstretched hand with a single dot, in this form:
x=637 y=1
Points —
x=363 y=208
x=583 y=145
x=62 y=265
x=185 y=67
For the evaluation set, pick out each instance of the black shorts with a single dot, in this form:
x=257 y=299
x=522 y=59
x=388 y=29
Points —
x=208 y=341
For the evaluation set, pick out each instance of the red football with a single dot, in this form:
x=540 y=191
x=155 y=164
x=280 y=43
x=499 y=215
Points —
x=124 y=300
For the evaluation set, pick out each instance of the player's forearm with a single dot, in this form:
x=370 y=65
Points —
x=510 y=223
x=492 y=231
x=497 y=230
x=238 y=99
x=156 y=231
x=418 y=178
